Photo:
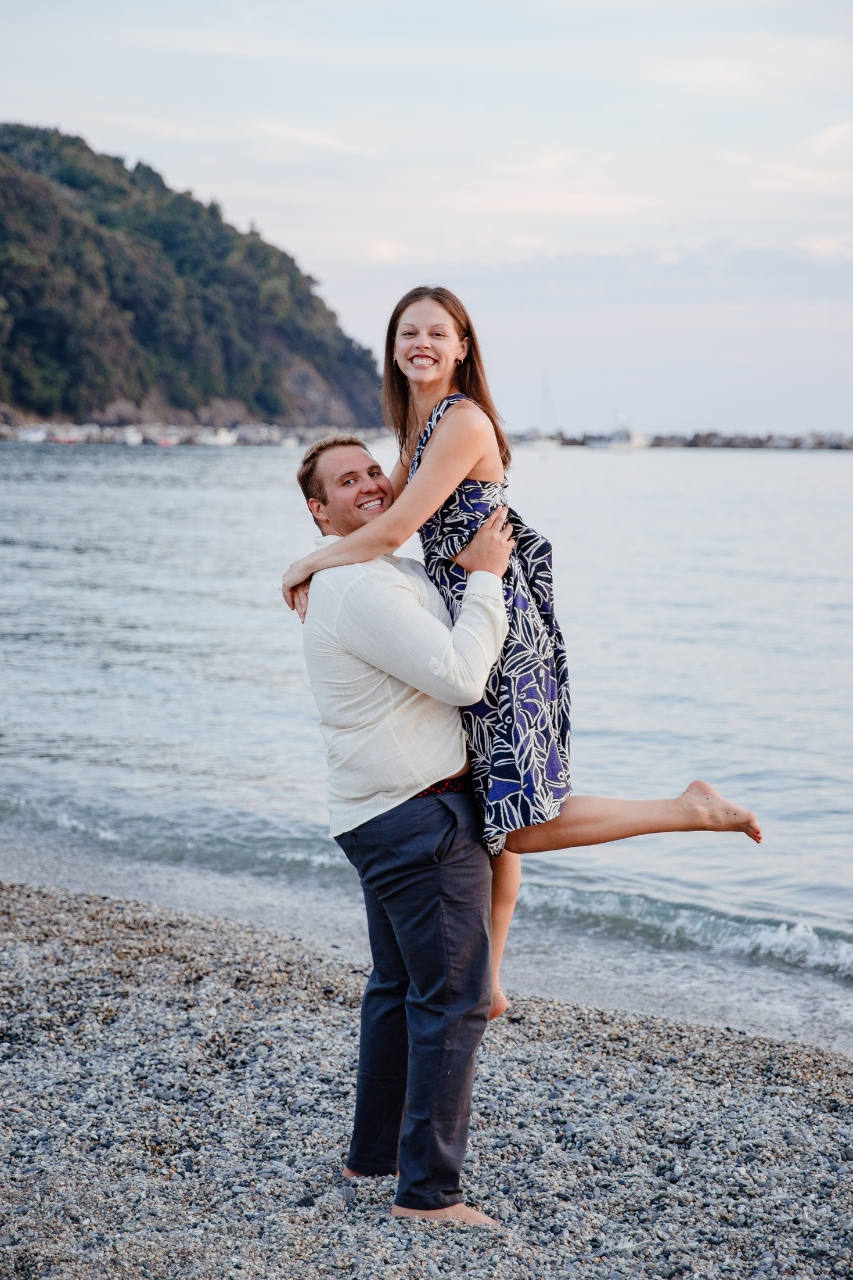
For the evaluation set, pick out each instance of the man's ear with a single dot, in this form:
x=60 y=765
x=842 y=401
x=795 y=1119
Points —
x=318 y=511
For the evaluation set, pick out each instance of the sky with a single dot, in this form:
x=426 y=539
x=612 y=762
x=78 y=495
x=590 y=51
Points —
x=647 y=205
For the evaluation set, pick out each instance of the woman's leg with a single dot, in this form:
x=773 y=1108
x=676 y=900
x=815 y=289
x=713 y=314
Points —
x=598 y=820
x=506 y=878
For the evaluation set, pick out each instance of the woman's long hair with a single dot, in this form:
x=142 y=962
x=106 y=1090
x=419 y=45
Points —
x=470 y=376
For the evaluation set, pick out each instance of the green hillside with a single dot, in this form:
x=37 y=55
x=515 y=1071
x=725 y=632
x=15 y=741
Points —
x=113 y=287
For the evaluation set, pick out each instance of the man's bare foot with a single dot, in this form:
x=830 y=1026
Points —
x=500 y=1004
x=455 y=1212
x=711 y=812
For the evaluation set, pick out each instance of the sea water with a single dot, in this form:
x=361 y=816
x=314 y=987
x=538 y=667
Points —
x=159 y=738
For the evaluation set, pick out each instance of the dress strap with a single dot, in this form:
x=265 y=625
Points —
x=432 y=422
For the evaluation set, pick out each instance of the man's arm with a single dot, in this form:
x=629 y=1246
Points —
x=383 y=623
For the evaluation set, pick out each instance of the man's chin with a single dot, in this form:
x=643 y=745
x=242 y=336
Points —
x=357 y=521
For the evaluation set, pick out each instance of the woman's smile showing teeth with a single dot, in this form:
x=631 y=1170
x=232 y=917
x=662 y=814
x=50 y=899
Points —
x=428 y=350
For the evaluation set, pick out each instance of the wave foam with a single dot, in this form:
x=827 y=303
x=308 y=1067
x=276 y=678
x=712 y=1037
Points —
x=674 y=926
x=242 y=842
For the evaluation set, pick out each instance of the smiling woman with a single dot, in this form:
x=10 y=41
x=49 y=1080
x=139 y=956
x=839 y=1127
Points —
x=428 y=334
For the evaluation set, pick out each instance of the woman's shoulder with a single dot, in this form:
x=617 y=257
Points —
x=466 y=408
x=467 y=418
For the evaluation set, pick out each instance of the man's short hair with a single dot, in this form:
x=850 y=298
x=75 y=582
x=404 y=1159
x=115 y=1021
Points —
x=308 y=480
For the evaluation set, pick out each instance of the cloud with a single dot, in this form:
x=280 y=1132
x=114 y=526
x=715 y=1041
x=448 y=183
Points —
x=835 y=143
x=498 y=136
x=342 y=137
x=753 y=68
x=160 y=127
x=736 y=67
x=369 y=56
x=302 y=136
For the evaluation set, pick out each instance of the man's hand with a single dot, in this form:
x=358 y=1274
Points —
x=490 y=547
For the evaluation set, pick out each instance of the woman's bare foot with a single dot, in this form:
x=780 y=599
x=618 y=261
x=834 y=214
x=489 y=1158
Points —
x=456 y=1212
x=711 y=812
x=500 y=1004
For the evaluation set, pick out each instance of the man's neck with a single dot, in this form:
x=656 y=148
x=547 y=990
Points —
x=326 y=531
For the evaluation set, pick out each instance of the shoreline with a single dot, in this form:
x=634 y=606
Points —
x=698 y=987
x=177 y=1092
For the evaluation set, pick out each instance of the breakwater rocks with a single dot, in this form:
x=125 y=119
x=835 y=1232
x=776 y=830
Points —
x=176 y=1096
x=164 y=434
x=631 y=440
x=225 y=427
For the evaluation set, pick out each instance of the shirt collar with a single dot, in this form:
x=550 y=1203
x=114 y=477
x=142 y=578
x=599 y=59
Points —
x=326 y=540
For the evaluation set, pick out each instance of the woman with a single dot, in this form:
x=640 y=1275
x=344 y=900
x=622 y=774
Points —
x=449 y=477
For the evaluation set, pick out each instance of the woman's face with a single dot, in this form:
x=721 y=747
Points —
x=427 y=347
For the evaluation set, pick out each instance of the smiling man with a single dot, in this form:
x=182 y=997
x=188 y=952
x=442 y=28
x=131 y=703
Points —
x=389 y=671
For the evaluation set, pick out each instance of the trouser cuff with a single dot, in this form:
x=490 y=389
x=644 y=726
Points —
x=373 y=1168
x=437 y=1202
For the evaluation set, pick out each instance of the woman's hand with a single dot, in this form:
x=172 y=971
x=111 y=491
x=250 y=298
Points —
x=299 y=574
x=300 y=598
x=491 y=546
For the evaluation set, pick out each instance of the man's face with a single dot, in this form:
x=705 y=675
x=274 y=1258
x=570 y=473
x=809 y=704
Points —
x=356 y=488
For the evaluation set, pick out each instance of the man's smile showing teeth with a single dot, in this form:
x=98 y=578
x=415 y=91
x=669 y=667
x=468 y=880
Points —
x=368 y=506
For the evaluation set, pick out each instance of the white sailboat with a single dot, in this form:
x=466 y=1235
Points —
x=625 y=438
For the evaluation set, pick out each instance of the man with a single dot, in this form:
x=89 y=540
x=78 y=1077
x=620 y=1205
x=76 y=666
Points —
x=389 y=672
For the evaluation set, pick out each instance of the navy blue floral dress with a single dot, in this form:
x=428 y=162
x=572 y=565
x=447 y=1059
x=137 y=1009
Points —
x=518 y=734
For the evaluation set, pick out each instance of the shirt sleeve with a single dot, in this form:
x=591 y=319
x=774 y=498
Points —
x=383 y=622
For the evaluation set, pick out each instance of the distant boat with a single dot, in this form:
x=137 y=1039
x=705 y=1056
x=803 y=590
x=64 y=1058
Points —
x=33 y=435
x=222 y=437
x=627 y=438
x=69 y=435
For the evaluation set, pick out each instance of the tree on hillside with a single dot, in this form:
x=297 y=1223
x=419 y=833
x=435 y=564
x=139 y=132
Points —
x=113 y=286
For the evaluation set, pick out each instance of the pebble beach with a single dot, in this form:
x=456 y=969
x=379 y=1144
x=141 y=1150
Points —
x=176 y=1093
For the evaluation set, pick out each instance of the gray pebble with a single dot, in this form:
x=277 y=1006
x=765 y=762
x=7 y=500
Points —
x=177 y=1093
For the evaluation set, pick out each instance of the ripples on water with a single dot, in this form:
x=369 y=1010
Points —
x=155 y=705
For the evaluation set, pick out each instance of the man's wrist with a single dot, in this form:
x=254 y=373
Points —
x=482 y=582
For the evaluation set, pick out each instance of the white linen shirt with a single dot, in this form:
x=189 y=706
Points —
x=388 y=672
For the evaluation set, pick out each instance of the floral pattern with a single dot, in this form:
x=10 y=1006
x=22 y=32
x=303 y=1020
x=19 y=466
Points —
x=518 y=734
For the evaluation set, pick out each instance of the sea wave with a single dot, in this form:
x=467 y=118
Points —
x=236 y=841
x=670 y=925
x=204 y=836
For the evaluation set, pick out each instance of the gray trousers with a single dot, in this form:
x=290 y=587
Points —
x=427 y=889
